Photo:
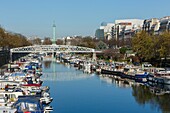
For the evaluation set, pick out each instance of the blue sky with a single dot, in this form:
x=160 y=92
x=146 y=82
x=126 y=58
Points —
x=73 y=17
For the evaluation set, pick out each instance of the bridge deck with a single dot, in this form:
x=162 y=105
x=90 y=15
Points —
x=53 y=48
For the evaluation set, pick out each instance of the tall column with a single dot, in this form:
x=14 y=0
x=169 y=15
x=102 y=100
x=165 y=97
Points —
x=54 y=34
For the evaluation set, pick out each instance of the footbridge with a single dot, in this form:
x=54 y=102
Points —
x=54 y=49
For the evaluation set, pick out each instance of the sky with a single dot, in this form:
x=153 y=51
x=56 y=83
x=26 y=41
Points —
x=73 y=17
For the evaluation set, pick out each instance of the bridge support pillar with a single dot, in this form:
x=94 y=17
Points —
x=94 y=56
x=54 y=55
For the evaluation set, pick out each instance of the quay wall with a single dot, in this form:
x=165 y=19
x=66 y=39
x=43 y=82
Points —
x=4 y=56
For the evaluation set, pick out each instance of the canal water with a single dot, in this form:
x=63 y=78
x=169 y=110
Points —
x=76 y=92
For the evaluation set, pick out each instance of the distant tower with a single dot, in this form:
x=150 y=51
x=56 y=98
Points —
x=54 y=34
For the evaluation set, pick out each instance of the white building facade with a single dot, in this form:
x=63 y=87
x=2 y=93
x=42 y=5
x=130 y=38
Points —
x=129 y=24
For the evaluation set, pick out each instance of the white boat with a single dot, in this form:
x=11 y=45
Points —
x=48 y=109
x=162 y=77
x=166 y=79
x=46 y=100
x=87 y=67
x=6 y=109
x=16 y=76
x=11 y=96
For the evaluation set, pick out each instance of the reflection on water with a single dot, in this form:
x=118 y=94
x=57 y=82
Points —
x=157 y=95
x=86 y=93
x=144 y=95
x=65 y=76
x=159 y=89
x=117 y=82
x=47 y=64
x=56 y=74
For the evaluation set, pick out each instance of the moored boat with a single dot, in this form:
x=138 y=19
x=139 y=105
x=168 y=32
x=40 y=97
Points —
x=141 y=76
x=30 y=104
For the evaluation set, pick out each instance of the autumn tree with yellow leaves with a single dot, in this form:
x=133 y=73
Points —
x=12 y=40
x=149 y=46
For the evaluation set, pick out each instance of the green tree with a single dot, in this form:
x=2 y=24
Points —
x=123 y=50
x=164 y=43
x=143 y=44
x=152 y=47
